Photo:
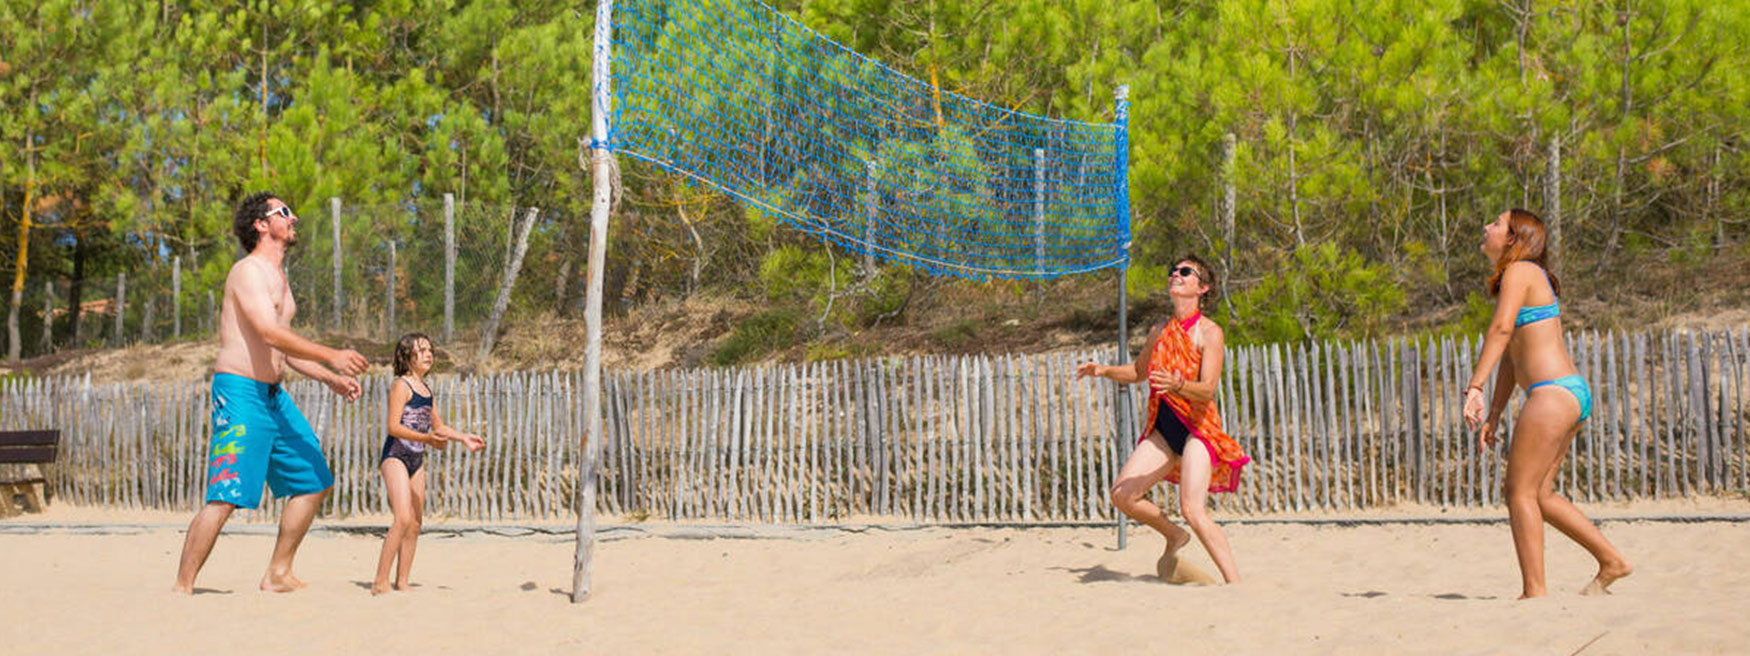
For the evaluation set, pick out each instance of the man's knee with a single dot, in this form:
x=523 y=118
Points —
x=217 y=511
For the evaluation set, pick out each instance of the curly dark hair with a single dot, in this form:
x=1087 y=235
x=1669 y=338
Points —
x=403 y=363
x=249 y=210
x=1206 y=274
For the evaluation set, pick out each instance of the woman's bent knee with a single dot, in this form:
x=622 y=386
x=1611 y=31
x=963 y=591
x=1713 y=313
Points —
x=1124 y=494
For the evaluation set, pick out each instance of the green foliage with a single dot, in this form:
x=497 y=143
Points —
x=792 y=273
x=1326 y=293
x=759 y=335
x=1479 y=310
x=1145 y=279
x=1370 y=137
x=956 y=335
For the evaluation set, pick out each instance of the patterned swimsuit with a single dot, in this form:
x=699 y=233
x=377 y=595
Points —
x=417 y=416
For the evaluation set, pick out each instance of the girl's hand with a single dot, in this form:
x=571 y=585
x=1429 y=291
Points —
x=473 y=442
x=1487 y=437
x=1475 y=407
x=439 y=442
x=1087 y=369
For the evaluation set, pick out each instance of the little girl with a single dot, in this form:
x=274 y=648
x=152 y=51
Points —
x=413 y=424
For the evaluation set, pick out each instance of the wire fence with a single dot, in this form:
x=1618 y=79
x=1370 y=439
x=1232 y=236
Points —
x=430 y=266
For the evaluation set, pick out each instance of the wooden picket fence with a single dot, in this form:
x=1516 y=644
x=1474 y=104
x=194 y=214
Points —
x=934 y=439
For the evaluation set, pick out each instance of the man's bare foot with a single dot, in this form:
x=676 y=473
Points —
x=1607 y=574
x=280 y=583
x=379 y=588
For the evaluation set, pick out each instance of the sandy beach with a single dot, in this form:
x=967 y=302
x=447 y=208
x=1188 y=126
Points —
x=97 y=581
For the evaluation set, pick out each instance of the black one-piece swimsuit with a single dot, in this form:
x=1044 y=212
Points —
x=1171 y=429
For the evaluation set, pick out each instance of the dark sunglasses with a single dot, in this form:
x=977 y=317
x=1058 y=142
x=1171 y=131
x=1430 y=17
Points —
x=1186 y=272
x=283 y=210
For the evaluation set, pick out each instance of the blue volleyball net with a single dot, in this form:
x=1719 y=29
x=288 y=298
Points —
x=737 y=95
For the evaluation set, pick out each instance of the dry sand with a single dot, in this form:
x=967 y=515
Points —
x=94 y=581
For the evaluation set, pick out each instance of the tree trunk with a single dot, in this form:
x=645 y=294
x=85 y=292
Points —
x=1713 y=202
x=562 y=279
x=1616 y=211
x=120 y=305
x=76 y=291
x=1293 y=166
x=1552 y=201
x=48 y=337
x=1616 y=207
x=698 y=246
x=1228 y=148
x=490 y=333
x=14 y=347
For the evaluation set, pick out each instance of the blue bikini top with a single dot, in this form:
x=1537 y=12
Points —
x=1534 y=313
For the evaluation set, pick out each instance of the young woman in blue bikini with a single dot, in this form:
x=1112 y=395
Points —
x=1525 y=339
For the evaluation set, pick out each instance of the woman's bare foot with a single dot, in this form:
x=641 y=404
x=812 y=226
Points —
x=1169 y=561
x=403 y=586
x=1607 y=574
x=1173 y=570
x=379 y=588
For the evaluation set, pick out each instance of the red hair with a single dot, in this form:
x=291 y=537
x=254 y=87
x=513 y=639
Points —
x=1527 y=237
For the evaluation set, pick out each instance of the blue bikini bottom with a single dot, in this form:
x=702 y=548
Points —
x=1575 y=385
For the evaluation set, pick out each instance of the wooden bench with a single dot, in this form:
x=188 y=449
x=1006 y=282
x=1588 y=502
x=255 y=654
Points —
x=22 y=454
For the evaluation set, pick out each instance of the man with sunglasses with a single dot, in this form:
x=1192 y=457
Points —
x=259 y=435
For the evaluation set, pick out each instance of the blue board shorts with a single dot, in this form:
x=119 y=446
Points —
x=260 y=437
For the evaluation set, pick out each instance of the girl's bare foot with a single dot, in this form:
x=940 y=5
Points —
x=379 y=588
x=1607 y=574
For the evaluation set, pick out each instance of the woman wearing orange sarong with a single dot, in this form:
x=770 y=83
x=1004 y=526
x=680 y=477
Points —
x=1183 y=441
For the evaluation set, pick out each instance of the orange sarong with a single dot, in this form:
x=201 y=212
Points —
x=1175 y=349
